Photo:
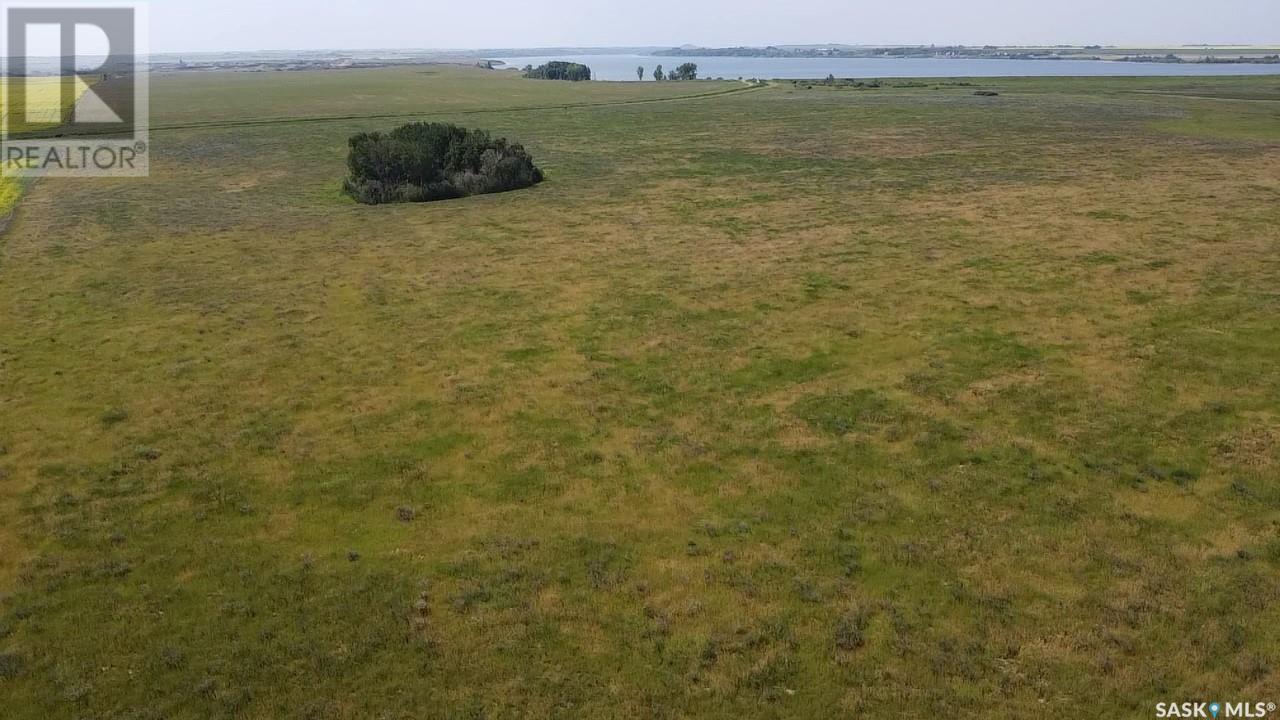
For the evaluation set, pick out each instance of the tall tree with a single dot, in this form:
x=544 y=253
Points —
x=640 y=73
x=658 y=75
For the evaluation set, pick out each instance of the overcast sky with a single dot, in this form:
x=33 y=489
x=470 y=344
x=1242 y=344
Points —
x=193 y=25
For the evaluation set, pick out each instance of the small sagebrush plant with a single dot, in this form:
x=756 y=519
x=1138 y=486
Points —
x=421 y=162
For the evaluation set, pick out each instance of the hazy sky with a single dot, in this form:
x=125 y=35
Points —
x=190 y=25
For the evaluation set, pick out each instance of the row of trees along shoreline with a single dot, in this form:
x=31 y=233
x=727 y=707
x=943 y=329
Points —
x=687 y=71
x=575 y=72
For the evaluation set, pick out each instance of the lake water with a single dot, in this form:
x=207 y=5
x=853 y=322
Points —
x=623 y=67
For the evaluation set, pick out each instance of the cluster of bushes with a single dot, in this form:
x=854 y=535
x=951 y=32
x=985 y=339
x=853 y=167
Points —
x=558 y=70
x=1169 y=58
x=846 y=83
x=833 y=81
x=1242 y=60
x=687 y=71
x=420 y=162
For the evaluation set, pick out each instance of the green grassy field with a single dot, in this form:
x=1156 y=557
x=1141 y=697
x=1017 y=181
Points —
x=39 y=108
x=771 y=402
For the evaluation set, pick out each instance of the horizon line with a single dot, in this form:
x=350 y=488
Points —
x=690 y=46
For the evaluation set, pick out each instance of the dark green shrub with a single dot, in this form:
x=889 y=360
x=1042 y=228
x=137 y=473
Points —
x=420 y=162
x=687 y=71
x=559 y=70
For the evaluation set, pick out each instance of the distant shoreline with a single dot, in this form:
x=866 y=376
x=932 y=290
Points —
x=1203 y=55
x=277 y=61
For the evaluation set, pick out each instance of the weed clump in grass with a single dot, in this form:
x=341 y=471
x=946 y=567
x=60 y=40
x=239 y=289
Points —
x=172 y=658
x=114 y=416
x=10 y=665
x=842 y=414
x=850 y=633
x=421 y=162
